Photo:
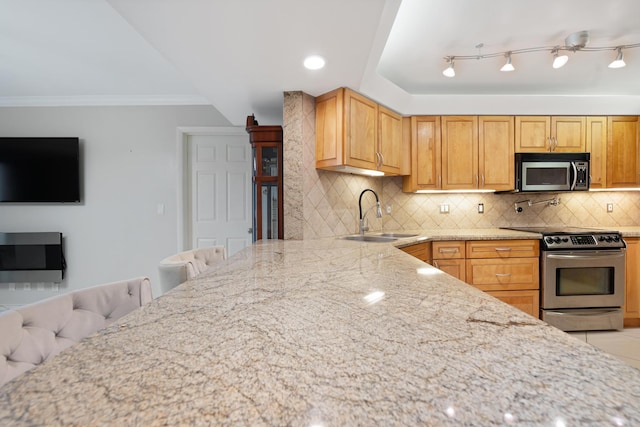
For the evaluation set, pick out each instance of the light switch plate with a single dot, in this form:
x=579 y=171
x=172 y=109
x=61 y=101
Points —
x=444 y=208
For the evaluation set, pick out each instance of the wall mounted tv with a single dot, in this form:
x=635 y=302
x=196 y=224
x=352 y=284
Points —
x=39 y=170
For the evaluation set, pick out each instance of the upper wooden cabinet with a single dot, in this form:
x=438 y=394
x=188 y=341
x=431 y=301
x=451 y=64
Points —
x=425 y=155
x=496 y=152
x=354 y=131
x=461 y=152
x=596 y=144
x=623 y=151
x=545 y=133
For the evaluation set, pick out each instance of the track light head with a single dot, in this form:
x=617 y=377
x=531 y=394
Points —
x=449 y=71
x=559 y=60
x=507 y=65
x=619 y=61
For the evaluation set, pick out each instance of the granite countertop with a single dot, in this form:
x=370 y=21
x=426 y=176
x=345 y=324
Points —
x=324 y=333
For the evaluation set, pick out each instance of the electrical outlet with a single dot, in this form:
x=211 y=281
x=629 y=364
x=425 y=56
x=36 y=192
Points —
x=480 y=207
x=444 y=208
x=609 y=207
x=388 y=209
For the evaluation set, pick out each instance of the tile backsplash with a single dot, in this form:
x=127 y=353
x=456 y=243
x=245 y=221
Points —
x=330 y=199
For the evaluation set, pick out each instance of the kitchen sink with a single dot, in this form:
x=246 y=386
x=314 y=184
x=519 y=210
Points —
x=398 y=235
x=369 y=238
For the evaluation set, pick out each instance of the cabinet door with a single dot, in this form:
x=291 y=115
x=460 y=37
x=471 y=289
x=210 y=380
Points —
x=389 y=141
x=329 y=125
x=495 y=152
x=623 y=163
x=453 y=267
x=459 y=152
x=532 y=134
x=568 y=134
x=422 y=251
x=596 y=144
x=527 y=301
x=425 y=155
x=632 y=283
x=361 y=130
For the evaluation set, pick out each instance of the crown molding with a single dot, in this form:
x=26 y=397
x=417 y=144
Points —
x=107 y=100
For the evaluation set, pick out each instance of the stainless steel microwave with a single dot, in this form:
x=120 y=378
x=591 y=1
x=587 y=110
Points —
x=552 y=171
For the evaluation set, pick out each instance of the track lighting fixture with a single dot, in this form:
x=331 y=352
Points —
x=507 y=65
x=449 y=71
x=618 y=62
x=574 y=42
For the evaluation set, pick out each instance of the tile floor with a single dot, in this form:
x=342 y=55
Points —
x=625 y=344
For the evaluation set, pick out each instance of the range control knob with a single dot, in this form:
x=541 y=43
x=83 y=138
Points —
x=556 y=239
x=601 y=238
x=549 y=240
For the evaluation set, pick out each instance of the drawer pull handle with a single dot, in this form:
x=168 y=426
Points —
x=503 y=249
x=448 y=251
x=503 y=274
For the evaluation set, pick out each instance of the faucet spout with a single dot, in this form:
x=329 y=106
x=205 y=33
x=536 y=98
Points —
x=364 y=228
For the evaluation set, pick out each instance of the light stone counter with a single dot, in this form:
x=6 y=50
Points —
x=326 y=333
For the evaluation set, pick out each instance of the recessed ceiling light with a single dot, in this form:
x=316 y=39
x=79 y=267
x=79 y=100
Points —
x=314 y=62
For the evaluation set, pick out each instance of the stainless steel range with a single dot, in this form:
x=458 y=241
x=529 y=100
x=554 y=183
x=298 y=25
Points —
x=581 y=278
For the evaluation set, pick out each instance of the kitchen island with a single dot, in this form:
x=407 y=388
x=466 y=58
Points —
x=324 y=333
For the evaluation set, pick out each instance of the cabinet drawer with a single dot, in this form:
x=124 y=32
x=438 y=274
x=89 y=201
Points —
x=422 y=251
x=453 y=267
x=527 y=301
x=503 y=274
x=503 y=248
x=448 y=249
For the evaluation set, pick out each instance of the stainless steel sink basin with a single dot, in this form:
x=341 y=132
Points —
x=398 y=235
x=369 y=238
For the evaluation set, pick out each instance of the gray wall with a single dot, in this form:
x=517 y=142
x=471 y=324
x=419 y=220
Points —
x=128 y=169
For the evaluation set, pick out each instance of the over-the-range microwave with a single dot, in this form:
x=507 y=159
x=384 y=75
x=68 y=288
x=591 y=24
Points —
x=552 y=171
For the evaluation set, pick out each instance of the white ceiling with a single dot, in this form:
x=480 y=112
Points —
x=241 y=55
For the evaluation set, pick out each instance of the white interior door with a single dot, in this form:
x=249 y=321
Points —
x=219 y=189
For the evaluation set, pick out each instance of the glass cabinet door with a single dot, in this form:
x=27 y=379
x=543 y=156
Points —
x=267 y=203
x=269 y=161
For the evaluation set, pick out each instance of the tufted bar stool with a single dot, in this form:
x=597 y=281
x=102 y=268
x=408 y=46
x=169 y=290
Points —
x=186 y=265
x=31 y=334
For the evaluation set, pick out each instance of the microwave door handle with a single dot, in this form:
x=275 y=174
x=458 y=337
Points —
x=575 y=175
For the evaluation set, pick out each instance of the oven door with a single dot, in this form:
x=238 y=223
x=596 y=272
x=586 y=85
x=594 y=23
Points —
x=582 y=279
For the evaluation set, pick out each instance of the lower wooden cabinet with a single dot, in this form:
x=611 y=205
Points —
x=422 y=251
x=506 y=269
x=527 y=301
x=449 y=256
x=632 y=283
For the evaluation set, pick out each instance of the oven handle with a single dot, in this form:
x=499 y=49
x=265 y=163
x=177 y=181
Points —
x=586 y=313
x=592 y=255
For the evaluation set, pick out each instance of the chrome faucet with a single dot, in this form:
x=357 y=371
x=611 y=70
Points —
x=364 y=228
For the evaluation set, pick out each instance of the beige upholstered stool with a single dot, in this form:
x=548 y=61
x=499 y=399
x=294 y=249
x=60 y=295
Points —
x=186 y=265
x=31 y=334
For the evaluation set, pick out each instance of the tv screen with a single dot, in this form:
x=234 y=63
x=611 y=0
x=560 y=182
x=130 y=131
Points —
x=39 y=170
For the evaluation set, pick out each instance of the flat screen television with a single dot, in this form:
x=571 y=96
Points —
x=39 y=170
